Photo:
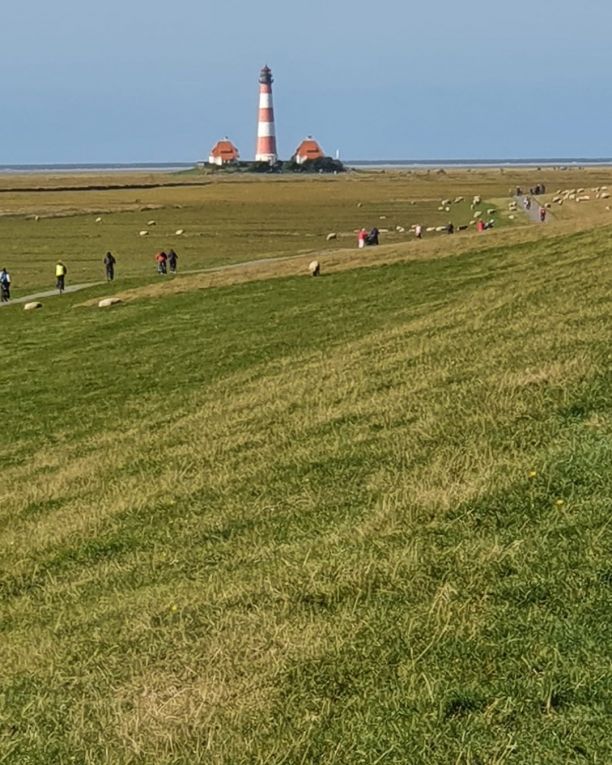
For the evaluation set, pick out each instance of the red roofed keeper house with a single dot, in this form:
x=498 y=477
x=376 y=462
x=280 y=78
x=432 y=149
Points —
x=223 y=152
x=308 y=149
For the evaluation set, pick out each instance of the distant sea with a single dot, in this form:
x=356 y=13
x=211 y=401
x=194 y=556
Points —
x=526 y=162
x=373 y=163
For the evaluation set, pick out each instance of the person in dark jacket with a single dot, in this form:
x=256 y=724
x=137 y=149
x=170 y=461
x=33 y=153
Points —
x=372 y=237
x=172 y=258
x=5 y=285
x=109 y=265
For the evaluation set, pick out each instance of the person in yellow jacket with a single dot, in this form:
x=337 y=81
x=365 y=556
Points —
x=60 y=276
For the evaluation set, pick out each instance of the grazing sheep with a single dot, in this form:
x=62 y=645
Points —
x=32 y=306
x=604 y=195
x=458 y=199
x=491 y=211
x=314 y=267
x=108 y=302
x=331 y=236
x=143 y=233
x=429 y=229
x=477 y=214
x=477 y=200
x=151 y=223
x=98 y=220
x=179 y=231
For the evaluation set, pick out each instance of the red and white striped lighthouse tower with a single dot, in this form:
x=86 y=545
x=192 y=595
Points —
x=266 y=132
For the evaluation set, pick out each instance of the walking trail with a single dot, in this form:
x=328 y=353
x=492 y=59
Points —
x=86 y=285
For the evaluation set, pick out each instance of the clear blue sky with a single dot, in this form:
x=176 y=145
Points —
x=144 y=80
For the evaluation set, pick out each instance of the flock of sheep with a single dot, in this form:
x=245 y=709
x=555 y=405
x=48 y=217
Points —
x=580 y=195
x=445 y=206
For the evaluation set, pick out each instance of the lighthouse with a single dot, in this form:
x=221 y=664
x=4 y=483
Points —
x=266 y=133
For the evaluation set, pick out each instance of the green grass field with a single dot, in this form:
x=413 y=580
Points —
x=350 y=520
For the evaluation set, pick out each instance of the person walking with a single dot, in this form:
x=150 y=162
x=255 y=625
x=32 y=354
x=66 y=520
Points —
x=418 y=231
x=172 y=258
x=109 y=265
x=361 y=238
x=542 y=214
x=372 y=237
x=60 y=276
x=161 y=259
x=5 y=285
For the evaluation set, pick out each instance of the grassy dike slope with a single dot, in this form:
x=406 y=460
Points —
x=297 y=521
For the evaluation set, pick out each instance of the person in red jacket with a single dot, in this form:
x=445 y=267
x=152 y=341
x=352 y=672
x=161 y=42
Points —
x=542 y=214
x=161 y=259
x=480 y=225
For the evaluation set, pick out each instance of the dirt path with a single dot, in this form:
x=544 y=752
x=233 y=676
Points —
x=86 y=285
x=50 y=293
x=534 y=211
